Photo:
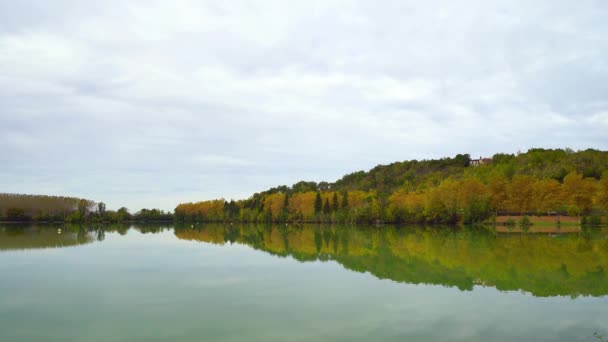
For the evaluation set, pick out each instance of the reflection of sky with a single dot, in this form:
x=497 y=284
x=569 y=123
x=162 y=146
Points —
x=156 y=287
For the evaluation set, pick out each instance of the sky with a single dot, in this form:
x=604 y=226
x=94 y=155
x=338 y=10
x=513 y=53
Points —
x=155 y=103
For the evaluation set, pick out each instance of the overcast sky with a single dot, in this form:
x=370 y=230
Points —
x=149 y=104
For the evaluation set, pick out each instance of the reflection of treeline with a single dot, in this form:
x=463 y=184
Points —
x=545 y=266
x=32 y=236
x=447 y=190
x=41 y=208
x=17 y=237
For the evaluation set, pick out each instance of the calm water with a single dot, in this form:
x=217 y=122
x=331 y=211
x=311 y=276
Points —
x=290 y=283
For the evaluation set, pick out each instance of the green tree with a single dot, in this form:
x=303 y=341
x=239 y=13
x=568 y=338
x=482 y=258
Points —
x=462 y=159
x=345 y=200
x=334 y=203
x=83 y=208
x=318 y=203
x=123 y=214
x=326 y=207
x=286 y=203
x=101 y=208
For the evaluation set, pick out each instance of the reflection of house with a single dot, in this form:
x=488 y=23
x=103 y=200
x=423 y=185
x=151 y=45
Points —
x=480 y=161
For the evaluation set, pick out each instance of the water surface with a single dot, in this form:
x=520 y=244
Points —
x=300 y=283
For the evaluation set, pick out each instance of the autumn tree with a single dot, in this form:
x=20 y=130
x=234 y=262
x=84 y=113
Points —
x=473 y=200
x=520 y=193
x=577 y=193
x=545 y=195
x=602 y=193
x=15 y=214
x=497 y=189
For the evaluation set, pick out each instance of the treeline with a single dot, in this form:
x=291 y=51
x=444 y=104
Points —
x=99 y=214
x=20 y=207
x=447 y=190
x=41 y=208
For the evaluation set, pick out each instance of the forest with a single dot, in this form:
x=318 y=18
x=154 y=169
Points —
x=42 y=208
x=559 y=182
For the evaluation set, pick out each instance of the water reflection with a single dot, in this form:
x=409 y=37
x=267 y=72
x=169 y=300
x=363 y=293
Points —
x=543 y=265
x=24 y=237
x=572 y=264
x=39 y=236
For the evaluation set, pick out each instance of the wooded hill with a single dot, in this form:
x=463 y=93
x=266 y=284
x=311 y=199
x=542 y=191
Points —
x=447 y=190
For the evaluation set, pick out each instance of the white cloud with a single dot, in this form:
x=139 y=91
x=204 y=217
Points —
x=144 y=102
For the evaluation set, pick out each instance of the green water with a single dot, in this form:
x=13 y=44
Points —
x=300 y=283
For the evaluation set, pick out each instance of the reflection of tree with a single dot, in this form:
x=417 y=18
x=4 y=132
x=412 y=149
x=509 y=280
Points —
x=318 y=239
x=16 y=237
x=543 y=265
x=101 y=235
x=82 y=234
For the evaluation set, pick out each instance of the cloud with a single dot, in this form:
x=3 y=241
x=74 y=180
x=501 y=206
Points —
x=152 y=103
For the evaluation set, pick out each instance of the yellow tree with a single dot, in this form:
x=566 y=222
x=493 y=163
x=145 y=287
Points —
x=601 y=198
x=497 y=188
x=469 y=191
x=578 y=193
x=303 y=203
x=473 y=200
x=442 y=202
x=274 y=203
x=520 y=193
x=545 y=195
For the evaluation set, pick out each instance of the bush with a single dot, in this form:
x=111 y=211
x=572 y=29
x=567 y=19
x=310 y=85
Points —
x=593 y=220
x=524 y=222
x=573 y=210
x=74 y=217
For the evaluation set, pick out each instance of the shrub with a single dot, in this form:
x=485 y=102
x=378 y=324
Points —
x=524 y=222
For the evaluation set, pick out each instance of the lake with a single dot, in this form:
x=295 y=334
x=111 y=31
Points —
x=221 y=282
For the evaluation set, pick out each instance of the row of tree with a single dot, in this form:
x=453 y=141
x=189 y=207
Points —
x=448 y=190
x=41 y=208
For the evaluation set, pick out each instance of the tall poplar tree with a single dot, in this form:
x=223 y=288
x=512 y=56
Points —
x=326 y=207
x=345 y=200
x=334 y=204
x=318 y=203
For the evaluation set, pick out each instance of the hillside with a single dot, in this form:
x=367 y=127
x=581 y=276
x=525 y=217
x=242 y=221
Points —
x=446 y=190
